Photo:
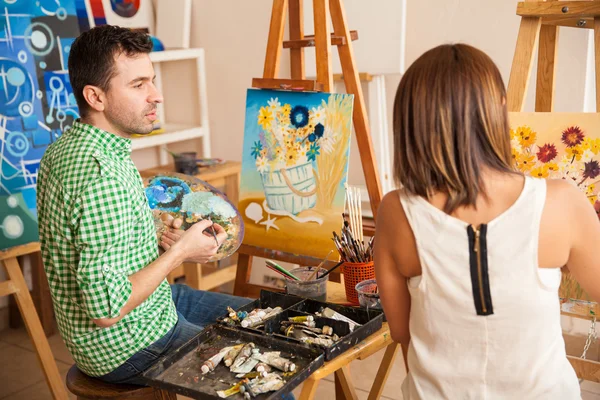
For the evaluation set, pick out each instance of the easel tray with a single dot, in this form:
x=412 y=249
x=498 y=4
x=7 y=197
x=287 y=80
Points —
x=180 y=371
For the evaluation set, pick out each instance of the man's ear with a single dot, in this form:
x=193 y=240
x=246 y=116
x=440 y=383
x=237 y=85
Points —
x=95 y=97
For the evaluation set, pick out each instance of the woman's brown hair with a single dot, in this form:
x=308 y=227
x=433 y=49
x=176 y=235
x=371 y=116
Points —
x=450 y=122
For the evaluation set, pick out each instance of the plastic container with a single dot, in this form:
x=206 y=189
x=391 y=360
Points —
x=314 y=289
x=354 y=273
x=368 y=296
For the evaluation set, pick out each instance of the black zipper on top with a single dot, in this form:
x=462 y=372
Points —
x=480 y=280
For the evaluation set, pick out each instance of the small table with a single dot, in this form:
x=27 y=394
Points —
x=226 y=176
x=340 y=365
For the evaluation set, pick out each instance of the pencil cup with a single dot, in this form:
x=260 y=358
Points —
x=313 y=289
x=354 y=273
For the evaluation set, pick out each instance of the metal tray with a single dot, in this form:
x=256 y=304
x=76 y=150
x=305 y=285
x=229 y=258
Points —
x=179 y=371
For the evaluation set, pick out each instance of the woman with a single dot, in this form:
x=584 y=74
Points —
x=468 y=252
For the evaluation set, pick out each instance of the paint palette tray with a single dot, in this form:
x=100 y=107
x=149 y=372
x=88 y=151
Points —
x=370 y=321
x=179 y=372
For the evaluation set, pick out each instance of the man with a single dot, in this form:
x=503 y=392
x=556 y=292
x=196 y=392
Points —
x=115 y=311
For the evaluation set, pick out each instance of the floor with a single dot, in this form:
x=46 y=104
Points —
x=21 y=377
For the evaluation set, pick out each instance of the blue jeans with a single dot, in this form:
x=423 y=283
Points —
x=195 y=309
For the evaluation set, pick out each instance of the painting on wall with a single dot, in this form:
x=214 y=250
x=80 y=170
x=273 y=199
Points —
x=36 y=102
x=294 y=169
x=193 y=200
x=125 y=13
x=560 y=146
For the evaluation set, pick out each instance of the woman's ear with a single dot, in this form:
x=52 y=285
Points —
x=95 y=97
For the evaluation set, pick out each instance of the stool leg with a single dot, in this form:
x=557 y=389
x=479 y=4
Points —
x=309 y=388
x=384 y=370
x=344 y=380
x=34 y=327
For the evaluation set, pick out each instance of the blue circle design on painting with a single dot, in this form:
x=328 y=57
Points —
x=26 y=109
x=61 y=116
x=61 y=13
x=299 y=116
x=72 y=99
x=125 y=8
x=18 y=87
x=39 y=39
x=43 y=65
x=22 y=56
x=15 y=76
x=17 y=144
x=39 y=94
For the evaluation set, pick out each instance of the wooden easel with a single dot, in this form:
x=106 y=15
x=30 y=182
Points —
x=540 y=21
x=324 y=11
x=17 y=286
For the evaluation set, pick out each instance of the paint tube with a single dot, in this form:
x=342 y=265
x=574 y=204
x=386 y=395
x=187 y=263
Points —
x=270 y=383
x=210 y=364
x=243 y=355
x=274 y=360
x=327 y=330
x=235 y=389
x=263 y=368
x=252 y=374
x=254 y=320
x=302 y=318
x=251 y=321
x=329 y=313
x=246 y=367
x=318 y=341
x=310 y=324
x=232 y=354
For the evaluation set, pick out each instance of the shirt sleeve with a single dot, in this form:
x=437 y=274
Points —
x=102 y=230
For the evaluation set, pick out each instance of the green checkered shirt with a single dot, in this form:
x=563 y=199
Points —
x=96 y=229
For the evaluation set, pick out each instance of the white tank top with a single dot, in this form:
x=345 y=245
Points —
x=484 y=319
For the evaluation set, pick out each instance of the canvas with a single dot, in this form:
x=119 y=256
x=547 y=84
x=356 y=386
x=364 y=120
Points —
x=560 y=146
x=125 y=13
x=36 y=102
x=294 y=168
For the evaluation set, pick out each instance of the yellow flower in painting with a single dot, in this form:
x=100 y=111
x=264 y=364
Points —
x=593 y=199
x=513 y=134
x=290 y=157
x=526 y=136
x=552 y=166
x=586 y=144
x=286 y=109
x=540 y=172
x=590 y=189
x=595 y=146
x=265 y=117
x=525 y=162
x=575 y=152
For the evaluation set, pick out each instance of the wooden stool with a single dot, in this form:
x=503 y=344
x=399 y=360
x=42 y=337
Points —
x=16 y=285
x=87 y=388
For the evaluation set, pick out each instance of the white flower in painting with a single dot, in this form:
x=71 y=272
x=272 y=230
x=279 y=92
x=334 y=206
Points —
x=274 y=104
x=587 y=155
x=514 y=143
x=317 y=114
x=261 y=164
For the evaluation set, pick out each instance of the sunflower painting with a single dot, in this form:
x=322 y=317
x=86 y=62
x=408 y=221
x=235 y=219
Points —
x=560 y=146
x=294 y=168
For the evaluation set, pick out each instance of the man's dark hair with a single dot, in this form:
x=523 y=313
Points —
x=93 y=54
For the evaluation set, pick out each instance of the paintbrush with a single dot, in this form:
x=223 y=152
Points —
x=331 y=269
x=283 y=270
x=310 y=278
x=280 y=273
x=212 y=228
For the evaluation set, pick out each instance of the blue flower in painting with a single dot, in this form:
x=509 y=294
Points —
x=299 y=116
x=256 y=149
x=319 y=130
x=313 y=152
x=312 y=137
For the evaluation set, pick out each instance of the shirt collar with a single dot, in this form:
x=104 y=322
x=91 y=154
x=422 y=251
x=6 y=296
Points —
x=107 y=140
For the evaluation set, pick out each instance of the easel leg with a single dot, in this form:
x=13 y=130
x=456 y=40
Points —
x=35 y=330
x=242 y=276
x=323 y=44
x=309 y=388
x=343 y=381
x=275 y=41
x=546 y=70
x=384 y=370
x=522 y=62
x=361 y=122
x=297 y=32
x=597 y=59
x=193 y=274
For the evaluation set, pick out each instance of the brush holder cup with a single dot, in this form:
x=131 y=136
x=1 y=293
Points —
x=354 y=273
x=185 y=163
x=313 y=289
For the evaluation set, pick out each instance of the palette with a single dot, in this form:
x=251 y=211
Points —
x=193 y=200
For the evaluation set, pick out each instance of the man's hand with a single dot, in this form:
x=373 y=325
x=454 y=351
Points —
x=199 y=246
x=171 y=225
